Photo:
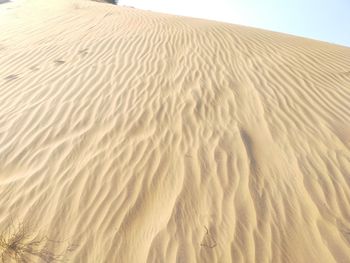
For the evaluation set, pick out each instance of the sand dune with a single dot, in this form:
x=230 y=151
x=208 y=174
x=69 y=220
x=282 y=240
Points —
x=131 y=136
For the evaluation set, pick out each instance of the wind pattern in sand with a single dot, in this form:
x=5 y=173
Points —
x=145 y=137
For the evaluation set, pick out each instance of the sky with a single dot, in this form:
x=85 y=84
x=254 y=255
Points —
x=326 y=20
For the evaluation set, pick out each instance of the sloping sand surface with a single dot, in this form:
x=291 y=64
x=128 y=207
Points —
x=130 y=136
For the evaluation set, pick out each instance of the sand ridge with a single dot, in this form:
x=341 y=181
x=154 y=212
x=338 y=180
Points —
x=132 y=136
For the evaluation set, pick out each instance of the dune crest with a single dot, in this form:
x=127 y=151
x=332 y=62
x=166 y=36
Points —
x=132 y=136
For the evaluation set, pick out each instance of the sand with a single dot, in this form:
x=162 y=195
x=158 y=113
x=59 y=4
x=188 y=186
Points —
x=132 y=136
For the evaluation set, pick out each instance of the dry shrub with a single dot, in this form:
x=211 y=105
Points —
x=19 y=244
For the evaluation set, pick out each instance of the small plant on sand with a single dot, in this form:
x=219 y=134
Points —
x=209 y=241
x=18 y=244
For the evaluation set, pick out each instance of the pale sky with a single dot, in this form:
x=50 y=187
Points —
x=326 y=20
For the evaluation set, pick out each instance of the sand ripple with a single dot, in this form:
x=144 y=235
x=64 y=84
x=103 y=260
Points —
x=144 y=137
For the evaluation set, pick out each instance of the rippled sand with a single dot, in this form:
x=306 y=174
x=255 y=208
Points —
x=131 y=136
